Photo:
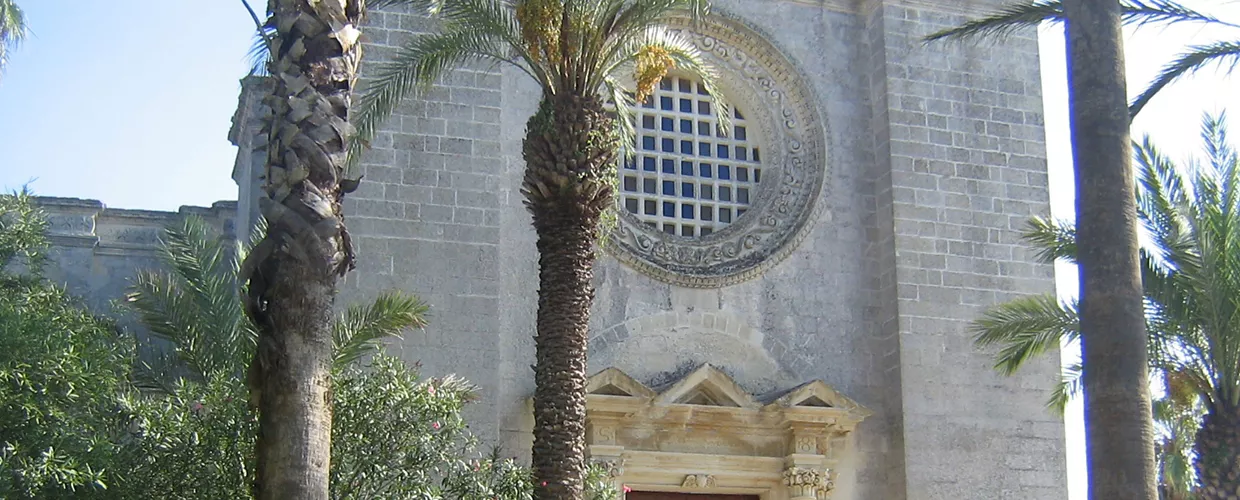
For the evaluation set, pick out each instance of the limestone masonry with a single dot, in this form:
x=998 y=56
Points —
x=781 y=313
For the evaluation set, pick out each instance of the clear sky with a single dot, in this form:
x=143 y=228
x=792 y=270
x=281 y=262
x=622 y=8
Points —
x=126 y=101
x=130 y=101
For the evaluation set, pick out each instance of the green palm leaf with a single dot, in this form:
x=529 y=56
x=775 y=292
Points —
x=1053 y=239
x=1018 y=16
x=1025 y=328
x=13 y=29
x=361 y=329
x=1068 y=388
x=1197 y=57
x=196 y=305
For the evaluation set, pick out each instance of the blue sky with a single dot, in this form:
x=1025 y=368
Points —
x=130 y=102
x=126 y=101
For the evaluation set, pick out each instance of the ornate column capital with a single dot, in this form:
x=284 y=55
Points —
x=805 y=483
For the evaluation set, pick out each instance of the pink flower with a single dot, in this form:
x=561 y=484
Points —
x=430 y=390
x=544 y=483
x=196 y=407
x=627 y=489
x=435 y=425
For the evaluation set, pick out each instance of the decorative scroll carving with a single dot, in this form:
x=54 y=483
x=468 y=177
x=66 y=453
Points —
x=775 y=96
x=604 y=434
x=613 y=466
x=803 y=482
x=698 y=481
x=806 y=444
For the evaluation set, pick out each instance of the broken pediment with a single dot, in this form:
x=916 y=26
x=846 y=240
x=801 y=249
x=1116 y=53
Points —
x=707 y=386
x=710 y=387
x=703 y=430
x=613 y=382
x=818 y=394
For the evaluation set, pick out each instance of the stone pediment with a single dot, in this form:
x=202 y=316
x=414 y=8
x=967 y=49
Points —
x=704 y=432
x=710 y=386
x=706 y=386
x=818 y=394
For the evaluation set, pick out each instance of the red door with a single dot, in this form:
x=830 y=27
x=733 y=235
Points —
x=659 y=495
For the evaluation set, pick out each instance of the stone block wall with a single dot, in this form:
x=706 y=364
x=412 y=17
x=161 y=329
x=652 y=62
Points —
x=960 y=167
x=97 y=250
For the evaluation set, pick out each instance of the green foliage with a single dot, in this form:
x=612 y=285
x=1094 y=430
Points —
x=195 y=442
x=602 y=39
x=195 y=304
x=395 y=436
x=62 y=372
x=23 y=228
x=12 y=29
x=72 y=425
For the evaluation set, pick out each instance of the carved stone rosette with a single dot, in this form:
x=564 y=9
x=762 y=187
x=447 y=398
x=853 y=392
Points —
x=806 y=483
x=773 y=93
x=613 y=466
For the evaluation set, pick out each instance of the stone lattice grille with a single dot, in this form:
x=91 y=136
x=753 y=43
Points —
x=687 y=177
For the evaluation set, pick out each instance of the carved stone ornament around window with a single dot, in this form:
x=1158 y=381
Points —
x=758 y=79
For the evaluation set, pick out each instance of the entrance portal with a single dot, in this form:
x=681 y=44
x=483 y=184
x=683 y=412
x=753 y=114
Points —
x=661 y=495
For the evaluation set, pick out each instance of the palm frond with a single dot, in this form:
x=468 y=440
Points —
x=362 y=328
x=625 y=106
x=1020 y=15
x=688 y=59
x=13 y=29
x=196 y=304
x=1194 y=59
x=1053 y=239
x=1024 y=328
x=412 y=70
x=1067 y=389
x=1006 y=21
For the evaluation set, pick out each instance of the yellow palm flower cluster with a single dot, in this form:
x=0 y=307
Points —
x=653 y=62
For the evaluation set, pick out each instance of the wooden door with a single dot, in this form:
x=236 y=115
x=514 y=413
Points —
x=661 y=495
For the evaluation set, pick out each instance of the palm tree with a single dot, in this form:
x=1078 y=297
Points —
x=574 y=50
x=12 y=29
x=292 y=273
x=1134 y=13
x=1191 y=276
x=195 y=305
x=1118 y=426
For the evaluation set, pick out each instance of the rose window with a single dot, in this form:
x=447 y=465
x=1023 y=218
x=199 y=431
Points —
x=687 y=177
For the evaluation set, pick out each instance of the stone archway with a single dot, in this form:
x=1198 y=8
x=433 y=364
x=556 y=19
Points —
x=704 y=434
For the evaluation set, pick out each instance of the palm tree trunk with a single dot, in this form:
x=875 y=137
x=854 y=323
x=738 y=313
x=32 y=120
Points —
x=569 y=153
x=293 y=271
x=1218 y=454
x=1118 y=426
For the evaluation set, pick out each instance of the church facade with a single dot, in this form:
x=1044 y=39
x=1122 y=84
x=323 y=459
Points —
x=782 y=311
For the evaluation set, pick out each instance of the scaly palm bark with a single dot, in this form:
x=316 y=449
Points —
x=570 y=161
x=1218 y=454
x=292 y=272
x=1119 y=432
